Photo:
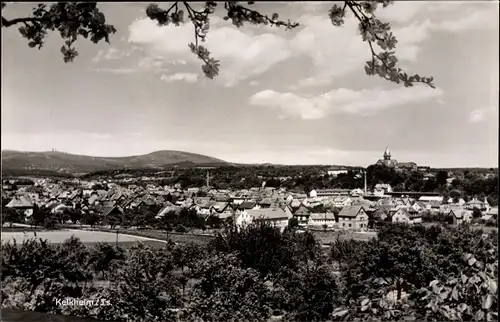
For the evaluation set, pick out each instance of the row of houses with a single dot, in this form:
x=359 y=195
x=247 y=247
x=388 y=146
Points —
x=321 y=207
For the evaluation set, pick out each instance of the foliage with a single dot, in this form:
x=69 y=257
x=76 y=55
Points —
x=265 y=248
x=228 y=292
x=86 y=20
x=71 y=20
x=409 y=272
x=293 y=223
x=468 y=296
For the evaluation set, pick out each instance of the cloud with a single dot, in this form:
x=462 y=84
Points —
x=116 y=70
x=320 y=80
x=333 y=51
x=482 y=114
x=477 y=116
x=483 y=19
x=110 y=54
x=187 y=77
x=337 y=51
x=241 y=55
x=342 y=101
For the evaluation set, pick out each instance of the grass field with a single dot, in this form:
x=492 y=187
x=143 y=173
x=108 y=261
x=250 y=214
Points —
x=164 y=235
x=330 y=236
x=87 y=237
x=130 y=244
x=14 y=229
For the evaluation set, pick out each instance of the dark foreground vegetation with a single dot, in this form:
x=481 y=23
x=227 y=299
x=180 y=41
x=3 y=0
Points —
x=257 y=273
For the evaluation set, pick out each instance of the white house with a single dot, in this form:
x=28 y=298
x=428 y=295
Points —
x=402 y=215
x=335 y=173
x=275 y=216
x=353 y=217
x=301 y=213
x=460 y=215
x=321 y=219
x=428 y=199
x=340 y=202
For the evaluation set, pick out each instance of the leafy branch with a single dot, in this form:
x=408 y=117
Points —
x=70 y=19
x=373 y=30
x=85 y=19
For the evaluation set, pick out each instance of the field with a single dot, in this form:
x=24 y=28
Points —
x=87 y=237
x=330 y=236
x=179 y=238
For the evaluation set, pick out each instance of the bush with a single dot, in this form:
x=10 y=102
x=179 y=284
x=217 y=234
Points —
x=180 y=229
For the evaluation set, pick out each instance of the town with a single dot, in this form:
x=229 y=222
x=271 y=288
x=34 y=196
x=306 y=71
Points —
x=120 y=200
x=249 y=161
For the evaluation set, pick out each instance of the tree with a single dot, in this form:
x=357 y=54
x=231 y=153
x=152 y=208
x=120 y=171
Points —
x=105 y=257
x=228 y=292
x=476 y=213
x=293 y=223
x=84 y=19
x=12 y=216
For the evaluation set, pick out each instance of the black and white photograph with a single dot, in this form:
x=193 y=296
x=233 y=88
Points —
x=264 y=161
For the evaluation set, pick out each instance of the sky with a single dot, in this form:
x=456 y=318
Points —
x=289 y=97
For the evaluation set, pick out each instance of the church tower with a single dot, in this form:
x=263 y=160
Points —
x=387 y=154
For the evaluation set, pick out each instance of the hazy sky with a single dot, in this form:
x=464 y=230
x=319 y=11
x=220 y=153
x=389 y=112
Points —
x=294 y=97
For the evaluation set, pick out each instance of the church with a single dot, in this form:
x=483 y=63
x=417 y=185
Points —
x=391 y=163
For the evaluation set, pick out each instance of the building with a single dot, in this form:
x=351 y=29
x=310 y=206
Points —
x=274 y=216
x=335 y=172
x=391 y=163
x=402 y=215
x=322 y=193
x=387 y=161
x=322 y=219
x=353 y=217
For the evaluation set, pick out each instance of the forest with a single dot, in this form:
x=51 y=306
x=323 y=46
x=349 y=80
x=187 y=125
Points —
x=259 y=273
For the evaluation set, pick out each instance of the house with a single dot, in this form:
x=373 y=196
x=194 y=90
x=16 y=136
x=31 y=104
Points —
x=353 y=217
x=322 y=219
x=418 y=206
x=169 y=208
x=222 y=209
x=322 y=193
x=411 y=166
x=402 y=215
x=335 y=172
x=340 y=202
x=475 y=203
x=460 y=216
x=381 y=188
x=302 y=214
x=275 y=216
x=493 y=212
x=379 y=215
x=204 y=207
x=23 y=203
x=266 y=203
x=113 y=213
x=247 y=205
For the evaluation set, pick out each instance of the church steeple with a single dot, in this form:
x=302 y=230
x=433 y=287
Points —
x=387 y=154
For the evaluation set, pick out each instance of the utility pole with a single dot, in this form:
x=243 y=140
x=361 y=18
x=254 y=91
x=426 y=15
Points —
x=208 y=178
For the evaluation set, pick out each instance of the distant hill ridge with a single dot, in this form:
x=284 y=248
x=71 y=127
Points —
x=72 y=163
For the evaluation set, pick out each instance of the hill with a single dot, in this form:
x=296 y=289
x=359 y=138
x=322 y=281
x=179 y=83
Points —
x=72 y=163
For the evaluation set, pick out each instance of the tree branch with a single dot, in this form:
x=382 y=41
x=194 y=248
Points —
x=8 y=23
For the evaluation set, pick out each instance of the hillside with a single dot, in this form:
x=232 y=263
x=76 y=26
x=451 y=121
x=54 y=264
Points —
x=72 y=163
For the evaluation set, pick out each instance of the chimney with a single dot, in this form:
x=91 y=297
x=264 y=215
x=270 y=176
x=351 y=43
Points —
x=365 y=182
